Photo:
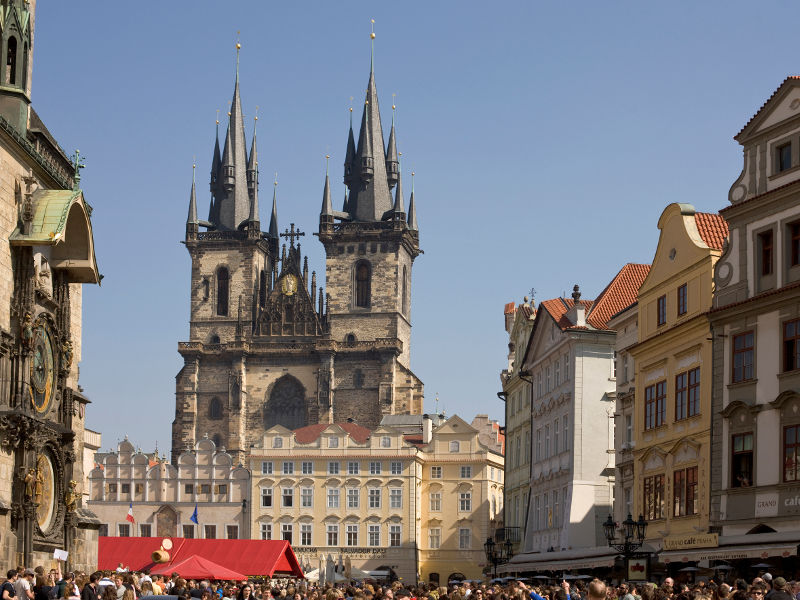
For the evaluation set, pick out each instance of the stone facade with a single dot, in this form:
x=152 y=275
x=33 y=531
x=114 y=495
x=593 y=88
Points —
x=46 y=254
x=164 y=496
x=267 y=346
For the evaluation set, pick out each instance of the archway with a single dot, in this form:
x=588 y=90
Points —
x=286 y=404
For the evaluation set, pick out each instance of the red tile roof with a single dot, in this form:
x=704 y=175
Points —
x=713 y=229
x=526 y=310
x=310 y=433
x=620 y=293
x=509 y=308
x=775 y=93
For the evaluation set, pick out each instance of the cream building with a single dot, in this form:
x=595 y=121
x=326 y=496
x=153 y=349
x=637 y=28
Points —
x=672 y=428
x=165 y=496
x=416 y=500
x=517 y=396
x=570 y=357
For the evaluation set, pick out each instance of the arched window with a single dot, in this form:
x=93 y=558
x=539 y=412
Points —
x=286 y=404
x=214 y=339
x=215 y=409
x=363 y=275
x=222 y=291
x=405 y=290
x=350 y=338
x=11 y=61
x=206 y=288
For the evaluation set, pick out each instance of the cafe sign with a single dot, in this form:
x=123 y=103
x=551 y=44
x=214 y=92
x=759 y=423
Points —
x=694 y=540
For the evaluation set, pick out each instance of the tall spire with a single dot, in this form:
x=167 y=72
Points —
x=252 y=176
x=192 y=218
x=234 y=207
x=371 y=198
x=327 y=205
x=273 y=220
x=350 y=155
x=399 y=207
x=392 y=162
x=216 y=163
x=412 y=208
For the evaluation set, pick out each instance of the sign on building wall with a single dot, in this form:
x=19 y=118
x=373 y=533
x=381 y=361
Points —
x=694 y=540
x=637 y=569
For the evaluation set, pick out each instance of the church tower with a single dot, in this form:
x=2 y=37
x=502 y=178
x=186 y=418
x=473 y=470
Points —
x=371 y=244
x=267 y=346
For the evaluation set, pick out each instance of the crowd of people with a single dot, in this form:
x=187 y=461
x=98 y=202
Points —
x=38 y=584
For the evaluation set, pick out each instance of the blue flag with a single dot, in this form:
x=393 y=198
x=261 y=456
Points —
x=193 y=518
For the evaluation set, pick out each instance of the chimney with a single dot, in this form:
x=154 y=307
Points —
x=577 y=314
x=427 y=429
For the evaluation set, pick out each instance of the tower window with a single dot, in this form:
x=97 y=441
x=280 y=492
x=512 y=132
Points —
x=222 y=291
x=363 y=276
x=11 y=61
x=358 y=379
x=215 y=409
x=405 y=290
x=262 y=290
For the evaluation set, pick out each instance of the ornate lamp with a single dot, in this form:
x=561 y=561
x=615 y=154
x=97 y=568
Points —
x=629 y=526
x=609 y=527
x=641 y=529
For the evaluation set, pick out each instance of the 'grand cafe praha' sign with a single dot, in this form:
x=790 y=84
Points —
x=694 y=540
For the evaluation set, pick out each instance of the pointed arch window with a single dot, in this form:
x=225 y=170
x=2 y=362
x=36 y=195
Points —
x=223 y=281
x=11 y=61
x=215 y=409
x=262 y=289
x=405 y=290
x=363 y=283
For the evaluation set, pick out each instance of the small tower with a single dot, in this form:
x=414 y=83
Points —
x=16 y=22
x=326 y=213
x=392 y=159
x=192 y=224
x=253 y=221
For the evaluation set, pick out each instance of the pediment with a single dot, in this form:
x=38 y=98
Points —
x=455 y=424
x=783 y=105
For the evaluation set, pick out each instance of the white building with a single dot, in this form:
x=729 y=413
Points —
x=570 y=358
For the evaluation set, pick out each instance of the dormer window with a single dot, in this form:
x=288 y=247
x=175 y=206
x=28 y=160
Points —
x=333 y=442
x=784 y=157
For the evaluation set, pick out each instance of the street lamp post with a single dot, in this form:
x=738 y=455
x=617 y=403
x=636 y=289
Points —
x=497 y=554
x=633 y=534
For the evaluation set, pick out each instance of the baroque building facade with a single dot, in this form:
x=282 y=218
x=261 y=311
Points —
x=46 y=254
x=417 y=495
x=672 y=403
x=755 y=489
x=267 y=346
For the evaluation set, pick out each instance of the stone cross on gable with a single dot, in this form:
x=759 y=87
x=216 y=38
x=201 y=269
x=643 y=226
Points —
x=292 y=234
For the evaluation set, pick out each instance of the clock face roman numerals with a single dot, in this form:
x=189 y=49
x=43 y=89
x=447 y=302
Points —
x=42 y=371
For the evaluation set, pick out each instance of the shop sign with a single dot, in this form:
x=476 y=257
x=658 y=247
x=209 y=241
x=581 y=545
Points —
x=789 y=501
x=694 y=540
x=637 y=569
x=767 y=504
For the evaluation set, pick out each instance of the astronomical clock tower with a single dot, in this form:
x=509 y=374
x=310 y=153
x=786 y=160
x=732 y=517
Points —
x=46 y=254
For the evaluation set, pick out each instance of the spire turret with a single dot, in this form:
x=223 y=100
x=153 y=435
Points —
x=399 y=206
x=273 y=220
x=326 y=214
x=216 y=163
x=412 y=209
x=252 y=179
x=392 y=161
x=191 y=220
x=350 y=155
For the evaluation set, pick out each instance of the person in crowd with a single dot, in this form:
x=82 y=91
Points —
x=24 y=585
x=89 y=591
x=7 y=590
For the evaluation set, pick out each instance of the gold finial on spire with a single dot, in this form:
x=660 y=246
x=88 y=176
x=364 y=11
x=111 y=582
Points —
x=256 y=117
x=327 y=160
x=217 y=116
x=194 y=165
x=238 y=45
x=275 y=181
x=372 y=30
x=393 y=104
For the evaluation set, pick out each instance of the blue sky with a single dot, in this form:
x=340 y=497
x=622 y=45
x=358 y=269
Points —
x=546 y=138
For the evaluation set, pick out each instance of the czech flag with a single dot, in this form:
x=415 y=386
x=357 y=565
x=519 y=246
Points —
x=130 y=514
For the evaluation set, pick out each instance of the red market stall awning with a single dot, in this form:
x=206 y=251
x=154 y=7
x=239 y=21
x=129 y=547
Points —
x=197 y=567
x=250 y=557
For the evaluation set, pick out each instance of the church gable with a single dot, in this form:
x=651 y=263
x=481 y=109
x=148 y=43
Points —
x=289 y=309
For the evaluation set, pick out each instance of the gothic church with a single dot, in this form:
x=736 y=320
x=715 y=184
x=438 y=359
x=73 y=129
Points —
x=266 y=345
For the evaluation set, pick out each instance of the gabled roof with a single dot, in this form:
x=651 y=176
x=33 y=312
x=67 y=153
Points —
x=712 y=228
x=558 y=308
x=789 y=81
x=310 y=433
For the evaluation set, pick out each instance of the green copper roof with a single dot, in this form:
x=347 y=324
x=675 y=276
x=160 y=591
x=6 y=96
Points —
x=51 y=208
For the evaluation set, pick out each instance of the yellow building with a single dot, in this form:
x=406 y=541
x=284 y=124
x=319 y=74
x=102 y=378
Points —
x=672 y=408
x=418 y=495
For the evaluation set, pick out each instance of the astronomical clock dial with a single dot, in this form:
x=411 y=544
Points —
x=289 y=285
x=42 y=370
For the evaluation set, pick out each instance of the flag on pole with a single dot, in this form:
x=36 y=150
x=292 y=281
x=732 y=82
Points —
x=193 y=518
x=130 y=514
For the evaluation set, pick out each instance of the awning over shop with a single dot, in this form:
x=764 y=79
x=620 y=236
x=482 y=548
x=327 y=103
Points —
x=729 y=552
x=251 y=557
x=566 y=560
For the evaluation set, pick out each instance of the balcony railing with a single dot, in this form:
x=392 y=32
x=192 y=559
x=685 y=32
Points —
x=511 y=534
